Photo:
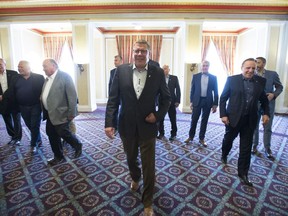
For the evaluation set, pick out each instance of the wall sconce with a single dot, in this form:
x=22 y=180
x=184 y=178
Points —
x=193 y=67
x=80 y=67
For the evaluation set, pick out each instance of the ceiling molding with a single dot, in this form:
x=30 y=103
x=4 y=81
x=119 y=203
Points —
x=18 y=8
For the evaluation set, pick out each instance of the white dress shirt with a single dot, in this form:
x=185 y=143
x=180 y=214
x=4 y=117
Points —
x=139 y=80
x=3 y=81
x=48 y=84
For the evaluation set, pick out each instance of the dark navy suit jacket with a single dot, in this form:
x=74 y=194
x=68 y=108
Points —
x=134 y=111
x=212 y=90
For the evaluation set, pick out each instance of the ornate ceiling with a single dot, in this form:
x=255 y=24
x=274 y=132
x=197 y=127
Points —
x=90 y=9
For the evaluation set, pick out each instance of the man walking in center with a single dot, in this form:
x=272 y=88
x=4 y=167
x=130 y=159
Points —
x=273 y=89
x=174 y=89
x=59 y=101
x=203 y=99
x=136 y=87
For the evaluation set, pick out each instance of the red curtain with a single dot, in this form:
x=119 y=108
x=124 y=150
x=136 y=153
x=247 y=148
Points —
x=53 y=46
x=125 y=46
x=226 y=49
x=205 y=45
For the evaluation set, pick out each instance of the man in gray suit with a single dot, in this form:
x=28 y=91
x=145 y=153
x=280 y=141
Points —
x=273 y=88
x=59 y=101
x=136 y=87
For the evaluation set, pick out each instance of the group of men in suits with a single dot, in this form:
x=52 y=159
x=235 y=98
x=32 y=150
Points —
x=136 y=87
x=30 y=94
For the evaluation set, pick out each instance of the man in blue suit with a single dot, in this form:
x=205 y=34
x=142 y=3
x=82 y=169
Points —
x=175 y=92
x=203 y=98
x=59 y=100
x=136 y=87
x=243 y=92
x=273 y=89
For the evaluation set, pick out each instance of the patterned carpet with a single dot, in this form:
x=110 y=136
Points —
x=190 y=179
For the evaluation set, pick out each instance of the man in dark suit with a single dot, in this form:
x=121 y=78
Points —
x=174 y=88
x=27 y=91
x=203 y=98
x=273 y=89
x=243 y=91
x=152 y=62
x=59 y=101
x=117 y=61
x=135 y=87
x=8 y=107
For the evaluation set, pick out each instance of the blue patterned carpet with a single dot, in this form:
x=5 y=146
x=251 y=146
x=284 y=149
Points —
x=190 y=179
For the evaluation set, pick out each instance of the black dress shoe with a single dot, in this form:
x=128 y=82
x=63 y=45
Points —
x=33 y=149
x=78 y=152
x=224 y=160
x=268 y=153
x=244 y=180
x=160 y=136
x=254 y=150
x=55 y=161
x=172 y=138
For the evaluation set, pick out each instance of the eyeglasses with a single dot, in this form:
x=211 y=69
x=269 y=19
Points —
x=144 y=52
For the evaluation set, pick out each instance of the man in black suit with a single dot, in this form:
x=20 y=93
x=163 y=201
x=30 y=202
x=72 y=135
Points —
x=174 y=88
x=8 y=107
x=203 y=98
x=243 y=92
x=152 y=62
x=117 y=61
x=27 y=91
x=135 y=87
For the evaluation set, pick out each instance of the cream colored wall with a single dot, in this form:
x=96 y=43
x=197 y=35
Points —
x=5 y=46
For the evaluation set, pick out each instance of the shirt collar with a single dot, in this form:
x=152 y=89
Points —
x=53 y=75
x=134 y=67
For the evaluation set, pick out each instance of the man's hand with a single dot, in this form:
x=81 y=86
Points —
x=150 y=118
x=265 y=119
x=70 y=118
x=191 y=106
x=214 y=109
x=110 y=131
x=270 y=96
x=225 y=120
x=1 y=97
x=176 y=104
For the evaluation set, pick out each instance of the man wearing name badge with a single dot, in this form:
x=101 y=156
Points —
x=136 y=87
x=59 y=101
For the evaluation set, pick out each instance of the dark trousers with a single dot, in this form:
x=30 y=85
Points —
x=196 y=112
x=147 y=151
x=55 y=133
x=32 y=119
x=172 y=117
x=13 y=125
x=246 y=137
